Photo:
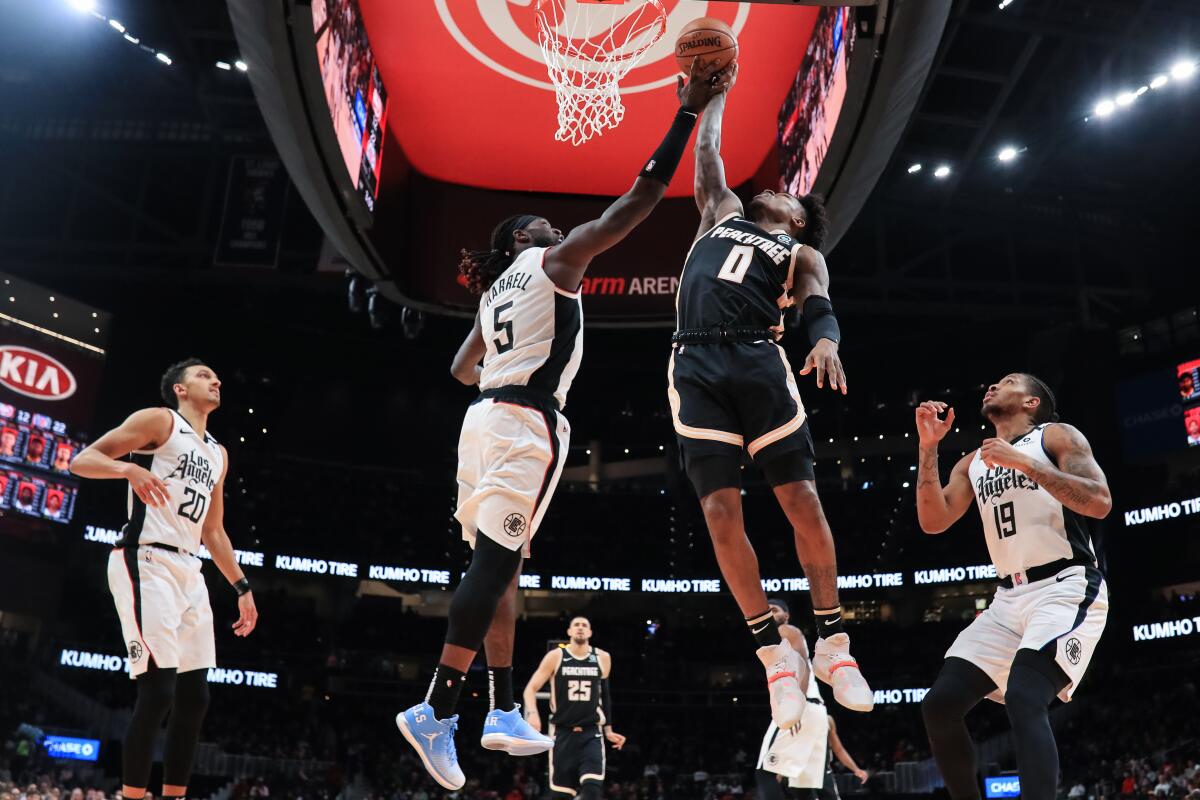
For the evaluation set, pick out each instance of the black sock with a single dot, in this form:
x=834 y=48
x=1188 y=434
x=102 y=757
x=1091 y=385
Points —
x=764 y=629
x=500 y=690
x=829 y=621
x=444 y=691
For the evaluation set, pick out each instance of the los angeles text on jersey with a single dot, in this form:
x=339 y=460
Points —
x=778 y=248
x=995 y=482
x=518 y=280
x=194 y=468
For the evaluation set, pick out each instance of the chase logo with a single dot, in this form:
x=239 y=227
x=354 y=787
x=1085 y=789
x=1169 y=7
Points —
x=68 y=747
x=1002 y=786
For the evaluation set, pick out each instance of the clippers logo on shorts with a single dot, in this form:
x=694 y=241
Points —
x=514 y=525
x=992 y=484
x=135 y=651
x=1074 y=650
x=35 y=374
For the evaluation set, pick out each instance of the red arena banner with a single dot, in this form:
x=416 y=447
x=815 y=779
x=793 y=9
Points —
x=479 y=108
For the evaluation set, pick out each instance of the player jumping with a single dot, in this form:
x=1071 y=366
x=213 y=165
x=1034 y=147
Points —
x=1036 y=484
x=529 y=335
x=731 y=390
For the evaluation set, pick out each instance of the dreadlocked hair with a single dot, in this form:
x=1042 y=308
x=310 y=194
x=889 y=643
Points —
x=1047 y=410
x=816 y=221
x=482 y=267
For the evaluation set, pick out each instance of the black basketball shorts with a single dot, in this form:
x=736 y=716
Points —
x=578 y=756
x=733 y=397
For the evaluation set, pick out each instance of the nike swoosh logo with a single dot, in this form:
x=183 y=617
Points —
x=760 y=630
x=181 y=430
x=1062 y=578
x=832 y=621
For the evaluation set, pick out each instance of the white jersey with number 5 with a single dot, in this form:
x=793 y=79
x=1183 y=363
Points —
x=533 y=330
x=190 y=466
x=1023 y=524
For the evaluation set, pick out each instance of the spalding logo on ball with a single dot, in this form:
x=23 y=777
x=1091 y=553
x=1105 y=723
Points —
x=706 y=38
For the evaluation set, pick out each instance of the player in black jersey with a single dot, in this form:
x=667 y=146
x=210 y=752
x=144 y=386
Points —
x=731 y=390
x=580 y=712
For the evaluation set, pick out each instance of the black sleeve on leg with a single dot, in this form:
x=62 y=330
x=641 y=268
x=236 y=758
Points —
x=183 y=729
x=155 y=695
x=474 y=603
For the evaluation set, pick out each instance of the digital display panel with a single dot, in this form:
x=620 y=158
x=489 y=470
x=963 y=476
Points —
x=1002 y=786
x=1188 y=377
x=47 y=387
x=354 y=91
x=811 y=109
x=72 y=748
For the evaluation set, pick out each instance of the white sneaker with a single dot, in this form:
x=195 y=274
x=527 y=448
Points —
x=785 y=669
x=834 y=665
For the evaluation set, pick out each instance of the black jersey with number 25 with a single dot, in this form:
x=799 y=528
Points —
x=737 y=274
x=575 y=692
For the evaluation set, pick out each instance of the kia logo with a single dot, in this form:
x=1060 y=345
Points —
x=35 y=374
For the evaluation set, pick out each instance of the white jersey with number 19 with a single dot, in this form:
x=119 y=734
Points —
x=1024 y=525
x=533 y=330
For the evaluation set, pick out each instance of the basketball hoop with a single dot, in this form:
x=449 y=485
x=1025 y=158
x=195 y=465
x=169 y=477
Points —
x=589 y=46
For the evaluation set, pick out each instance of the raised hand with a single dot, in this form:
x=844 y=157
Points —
x=704 y=82
x=930 y=428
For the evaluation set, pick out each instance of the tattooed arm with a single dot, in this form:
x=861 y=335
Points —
x=1077 y=482
x=939 y=507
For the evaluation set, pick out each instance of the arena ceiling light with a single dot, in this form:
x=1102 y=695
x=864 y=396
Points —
x=241 y=65
x=1182 y=70
x=224 y=65
x=943 y=171
x=1007 y=153
x=83 y=6
x=117 y=26
x=164 y=58
x=913 y=169
x=1104 y=108
x=1158 y=81
x=1005 y=4
x=1126 y=98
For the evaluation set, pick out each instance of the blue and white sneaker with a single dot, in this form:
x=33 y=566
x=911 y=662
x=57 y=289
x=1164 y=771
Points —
x=433 y=739
x=508 y=731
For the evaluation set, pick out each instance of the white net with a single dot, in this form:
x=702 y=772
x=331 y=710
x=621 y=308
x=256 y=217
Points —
x=589 y=46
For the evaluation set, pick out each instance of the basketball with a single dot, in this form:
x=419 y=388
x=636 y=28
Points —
x=708 y=37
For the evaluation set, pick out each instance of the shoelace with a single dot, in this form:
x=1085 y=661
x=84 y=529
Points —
x=448 y=745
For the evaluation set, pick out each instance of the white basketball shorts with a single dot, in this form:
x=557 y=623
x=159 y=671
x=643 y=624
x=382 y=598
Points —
x=1062 y=616
x=510 y=457
x=163 y=605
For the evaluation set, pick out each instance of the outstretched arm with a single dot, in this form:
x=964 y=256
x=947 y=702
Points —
x=811 y=292
x=544 y=672
x=713 y=196
x=1077 y=482
x=567 y=263
x=221 y=549
x=465 y=366
x=939 y=507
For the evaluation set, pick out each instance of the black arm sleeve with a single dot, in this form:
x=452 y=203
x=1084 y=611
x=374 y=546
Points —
x=661 y=166
x=820 y=321
x=606 y=701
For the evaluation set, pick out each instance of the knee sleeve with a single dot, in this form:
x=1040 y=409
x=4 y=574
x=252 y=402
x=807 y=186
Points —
x=789 y=467
x=183 y=729
x=591 y=790
x=155 y=695
x=1033 y=683
x=474 y=603
x=958 y=688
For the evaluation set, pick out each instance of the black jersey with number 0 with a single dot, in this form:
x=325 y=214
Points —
x=737 y=274
x=575 y=690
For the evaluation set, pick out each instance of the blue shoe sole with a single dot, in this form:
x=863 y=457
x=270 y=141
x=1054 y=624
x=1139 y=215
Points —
x=514 y=745
x=402 y=724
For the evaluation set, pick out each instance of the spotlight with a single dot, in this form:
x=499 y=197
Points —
x=942 y=172
x=1104 y=108
x=118 y=27
x=83 y=6
x=1125 y=99
x=164 y=58
x=1158 y=81
x=1005 y=4
x=1182 y=70
x=1007 y=153
x=132 y=39
x=224 y=65
x=242 y=66
x=914 y=169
